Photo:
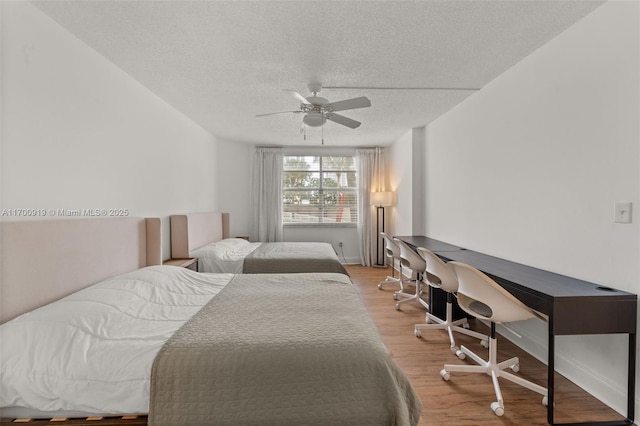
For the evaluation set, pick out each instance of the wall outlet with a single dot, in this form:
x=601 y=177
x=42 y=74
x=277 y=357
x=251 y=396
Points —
x=340 y=244
x=623 y=212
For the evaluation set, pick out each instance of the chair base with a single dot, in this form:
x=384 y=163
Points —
x=408 y=297
x=460 y=326
x=494 y=369
x=391 y=280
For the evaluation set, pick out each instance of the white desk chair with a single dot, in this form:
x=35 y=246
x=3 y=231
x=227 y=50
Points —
x=411 y=260
x=438 y=274
x=482 y=297
x=392 y=252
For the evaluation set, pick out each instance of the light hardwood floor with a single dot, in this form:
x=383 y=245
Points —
x=466 y=398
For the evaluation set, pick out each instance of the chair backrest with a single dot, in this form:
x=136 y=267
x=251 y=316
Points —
x=409 y=258
x=438 y=273
x=391 y=248
x=482 y=297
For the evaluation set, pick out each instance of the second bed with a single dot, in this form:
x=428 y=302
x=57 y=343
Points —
x=206 y=237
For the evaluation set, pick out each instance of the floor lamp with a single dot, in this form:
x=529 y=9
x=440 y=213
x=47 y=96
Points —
x=380 y=199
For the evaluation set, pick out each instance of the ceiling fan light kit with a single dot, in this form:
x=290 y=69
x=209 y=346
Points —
x=314 y=119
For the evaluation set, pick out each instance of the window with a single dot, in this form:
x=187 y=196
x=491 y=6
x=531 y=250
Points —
x=319 y=189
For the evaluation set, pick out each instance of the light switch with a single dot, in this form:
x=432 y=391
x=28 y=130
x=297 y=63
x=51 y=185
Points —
x=623 y=212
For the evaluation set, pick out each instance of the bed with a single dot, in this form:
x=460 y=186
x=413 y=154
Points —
x=197 y=348
x=206 y=236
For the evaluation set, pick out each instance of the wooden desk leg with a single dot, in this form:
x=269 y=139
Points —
x=631 y=382
x=550 y=371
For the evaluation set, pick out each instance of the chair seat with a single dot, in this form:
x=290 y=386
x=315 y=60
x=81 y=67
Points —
x=480 y=308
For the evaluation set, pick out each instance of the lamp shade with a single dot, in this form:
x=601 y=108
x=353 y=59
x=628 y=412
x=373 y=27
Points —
x=381 y=198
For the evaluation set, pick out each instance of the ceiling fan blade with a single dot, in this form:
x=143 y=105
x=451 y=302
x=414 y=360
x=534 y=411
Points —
x=354 y=103
x=297 y=95
x=345 y=121
x=274 y=113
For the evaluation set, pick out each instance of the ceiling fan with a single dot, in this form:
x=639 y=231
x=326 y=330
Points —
x=318 y=110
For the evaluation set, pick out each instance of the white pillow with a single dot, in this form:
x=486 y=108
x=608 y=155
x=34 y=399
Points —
x=228 y=245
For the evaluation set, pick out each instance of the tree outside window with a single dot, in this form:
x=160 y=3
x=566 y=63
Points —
x=319 y=190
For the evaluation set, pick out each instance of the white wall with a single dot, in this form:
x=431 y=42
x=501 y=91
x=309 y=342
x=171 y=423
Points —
x=233 y=183
x=401 y=183
x=542 y=154
x=407 y=176
x=418 y=149
x=529 y=169
x=79 y=133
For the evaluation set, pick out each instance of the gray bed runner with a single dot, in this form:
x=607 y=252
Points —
x=291 y=257
x=297 y=349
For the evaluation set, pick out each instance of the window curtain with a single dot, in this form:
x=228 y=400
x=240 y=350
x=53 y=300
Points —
x=266 y=195
x=370 y=166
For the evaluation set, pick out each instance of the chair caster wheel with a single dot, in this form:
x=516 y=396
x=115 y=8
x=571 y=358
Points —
x=456 y=350
x=395 y=296
x=515 y=368
x=545 y=401
x=465 y=325
x=379 y=286
x=397 y=306
x=417 y=333
x=497 y=409
x=484 y=343
x=445 y=375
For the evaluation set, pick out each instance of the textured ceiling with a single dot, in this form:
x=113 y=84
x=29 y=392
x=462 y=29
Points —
x=223 y=62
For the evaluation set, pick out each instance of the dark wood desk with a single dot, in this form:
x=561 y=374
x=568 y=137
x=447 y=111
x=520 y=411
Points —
x=573 y=306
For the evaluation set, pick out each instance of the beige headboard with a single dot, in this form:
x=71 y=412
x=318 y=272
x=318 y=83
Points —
x=194 y=230
x=42 y=261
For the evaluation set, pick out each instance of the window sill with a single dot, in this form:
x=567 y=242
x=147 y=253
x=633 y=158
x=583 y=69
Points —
x=320 y=225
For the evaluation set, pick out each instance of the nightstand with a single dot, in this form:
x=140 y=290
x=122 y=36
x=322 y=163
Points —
x=191 y=263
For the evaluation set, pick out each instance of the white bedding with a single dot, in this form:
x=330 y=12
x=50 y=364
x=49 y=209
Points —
x=92 y=351
x=224 y=256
